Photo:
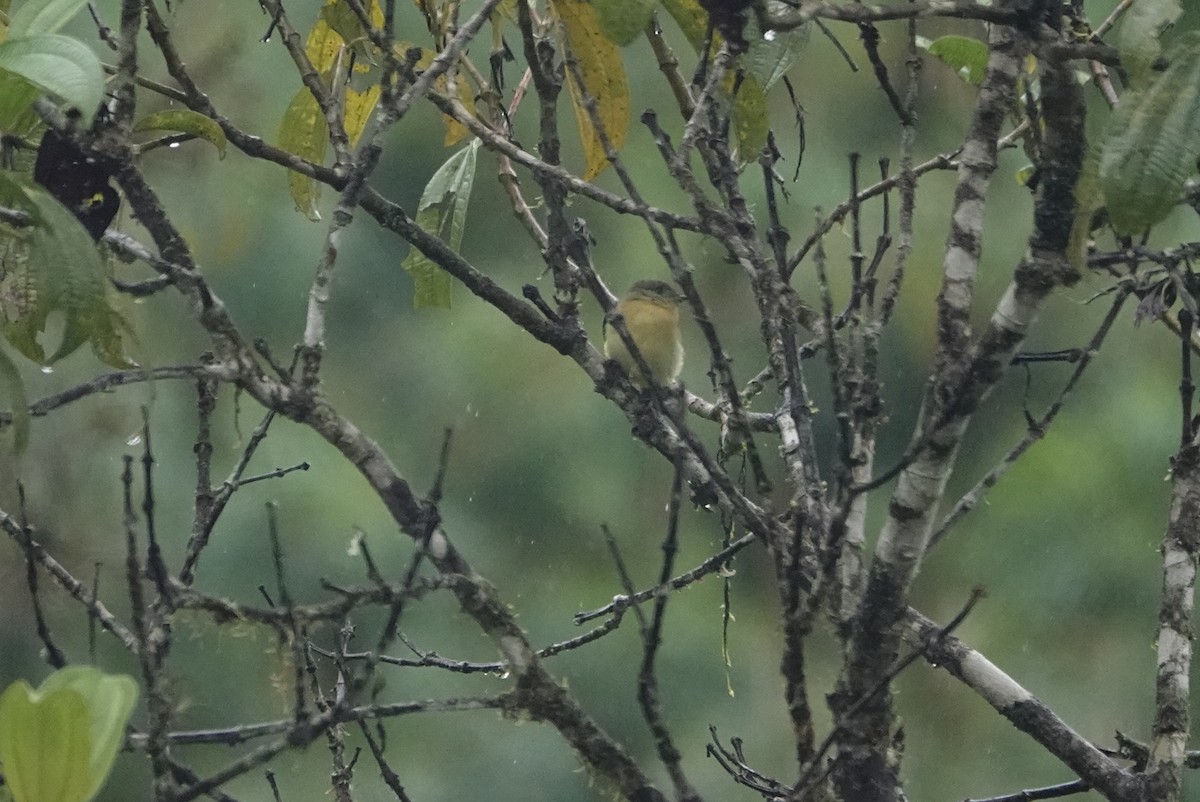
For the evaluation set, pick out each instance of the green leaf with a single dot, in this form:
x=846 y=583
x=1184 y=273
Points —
x=58 y=743
x=342 y=20
x=45 y=744
x=968 y=57
x=110 y=699
x=1138 y=36
x=1150 y=146
x=184 y=121
x=770 y=56
x=60 y=65
x=17 y=95
x=622 y=21
x=304 y=133
x=43 y=16
x=443 y=213
x=12 y=393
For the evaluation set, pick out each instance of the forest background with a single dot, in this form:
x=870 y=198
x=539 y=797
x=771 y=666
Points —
x=1066 y=546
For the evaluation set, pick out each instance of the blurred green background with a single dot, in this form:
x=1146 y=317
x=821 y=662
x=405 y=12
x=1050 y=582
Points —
x=1066 y=545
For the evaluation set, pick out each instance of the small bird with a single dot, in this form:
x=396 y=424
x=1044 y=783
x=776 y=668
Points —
x=651 y=313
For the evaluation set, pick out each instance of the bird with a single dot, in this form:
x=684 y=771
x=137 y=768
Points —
x=650 y=310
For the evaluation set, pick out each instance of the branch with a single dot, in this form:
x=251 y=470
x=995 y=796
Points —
x=862 y=762
x=76 y=589
x=1180 y=550
x=858 y=12
x=1022 y=709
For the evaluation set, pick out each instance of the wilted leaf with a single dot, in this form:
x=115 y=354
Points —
x=184 y=121
x=603 y=76
x=1155 y=302
x=443 y=213
x=302 y=131
x=622 y=21
x=966 y=56
x=59 y=65
x=1150 y=146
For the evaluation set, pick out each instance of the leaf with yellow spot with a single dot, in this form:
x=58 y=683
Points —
x=603 y=75
x=323 y=45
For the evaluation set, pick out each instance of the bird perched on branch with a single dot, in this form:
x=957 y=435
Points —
x=650 y=311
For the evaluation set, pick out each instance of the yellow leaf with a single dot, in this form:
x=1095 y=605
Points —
x=603 y=75
x=359 y=106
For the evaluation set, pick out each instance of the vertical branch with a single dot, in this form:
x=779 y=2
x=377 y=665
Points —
x=548 y=83
x=54 y=655
x=849 y=526
x=1187 y=388
x=651 y=631
x=150 y=649
x=1180 y=548
x=127 y=61
x=155 y=566
x=867 y=767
